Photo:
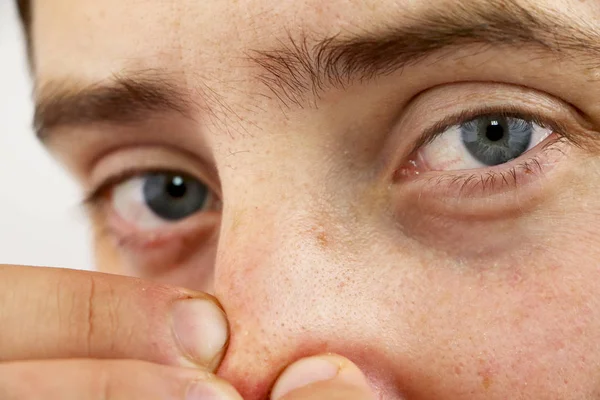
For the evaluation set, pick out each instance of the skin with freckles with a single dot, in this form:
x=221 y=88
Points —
x=333 y=227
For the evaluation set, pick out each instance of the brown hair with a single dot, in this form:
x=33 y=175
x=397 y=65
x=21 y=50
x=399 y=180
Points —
x=24 y=7
x=25 y=12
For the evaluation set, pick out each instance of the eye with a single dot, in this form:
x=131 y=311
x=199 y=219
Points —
x=485 y=141
x=154 y=199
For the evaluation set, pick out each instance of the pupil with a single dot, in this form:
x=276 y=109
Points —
x=176 y=187
x=494 y=131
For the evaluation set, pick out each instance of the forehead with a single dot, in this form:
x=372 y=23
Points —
x=206 y=48
x=95 y=38
x=91 y=37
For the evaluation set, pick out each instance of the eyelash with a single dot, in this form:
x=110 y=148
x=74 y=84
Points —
x=465 y=182
x=97 y=195
x=507 y=179
x=501 y=177
x=138 y=242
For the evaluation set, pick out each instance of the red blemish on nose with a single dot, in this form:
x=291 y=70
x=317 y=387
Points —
x=458 y=369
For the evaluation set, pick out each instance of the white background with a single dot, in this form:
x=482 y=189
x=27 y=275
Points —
x=41 y=221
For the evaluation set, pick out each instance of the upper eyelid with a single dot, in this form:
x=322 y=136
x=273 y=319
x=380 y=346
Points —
x=131 y=160
x=95 y=196
x=508 y=112
x=97 y=193
x=565 y=119
x=431 y=111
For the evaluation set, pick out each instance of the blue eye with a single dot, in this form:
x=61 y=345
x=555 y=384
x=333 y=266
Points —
x=152 y=200
x=485 y=141
x=495 y=140
x=172 y=196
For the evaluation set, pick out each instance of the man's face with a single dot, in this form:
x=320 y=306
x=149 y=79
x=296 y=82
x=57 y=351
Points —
x=411 y=184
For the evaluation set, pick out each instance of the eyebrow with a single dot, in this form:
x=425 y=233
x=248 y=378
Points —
x=302 y=68
x=302 y=65
x=122 y=100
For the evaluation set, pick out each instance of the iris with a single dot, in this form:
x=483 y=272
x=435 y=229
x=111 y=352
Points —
x=173 y=196
x=495 y=140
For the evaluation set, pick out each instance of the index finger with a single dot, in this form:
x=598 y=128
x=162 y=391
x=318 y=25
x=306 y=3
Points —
x=60 y=313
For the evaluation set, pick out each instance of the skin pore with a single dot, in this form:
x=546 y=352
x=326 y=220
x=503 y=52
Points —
x=342 y=217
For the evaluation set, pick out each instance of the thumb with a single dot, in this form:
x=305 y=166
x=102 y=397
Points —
x=322 y=377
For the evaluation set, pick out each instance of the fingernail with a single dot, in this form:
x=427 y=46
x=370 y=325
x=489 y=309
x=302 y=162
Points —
x=205 y=391
x=200 y=328
x=306 y=372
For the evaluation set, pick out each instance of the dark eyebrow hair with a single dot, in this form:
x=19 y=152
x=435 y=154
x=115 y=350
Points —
x=302 y=66
x=120 y=100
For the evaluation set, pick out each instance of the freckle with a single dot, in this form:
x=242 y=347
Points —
x=237 y=220
x=322 y=239
x=486 y=372
x=487 y=381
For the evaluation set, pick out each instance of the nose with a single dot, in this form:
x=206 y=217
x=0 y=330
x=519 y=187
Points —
x=292 y=285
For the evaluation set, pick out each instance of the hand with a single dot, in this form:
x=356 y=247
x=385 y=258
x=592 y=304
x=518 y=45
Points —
x=80 y=335
x=69 y=334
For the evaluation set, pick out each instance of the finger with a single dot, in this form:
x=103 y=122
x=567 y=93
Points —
x=324 y=377
x=108 y=380
x=59 y=313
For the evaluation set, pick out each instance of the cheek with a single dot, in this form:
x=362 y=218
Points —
x=496 y=333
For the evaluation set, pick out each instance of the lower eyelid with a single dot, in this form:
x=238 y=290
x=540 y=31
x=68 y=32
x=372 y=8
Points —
x=128 y=162
x=135 y=240
x=159 y=251
x=497 y=187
